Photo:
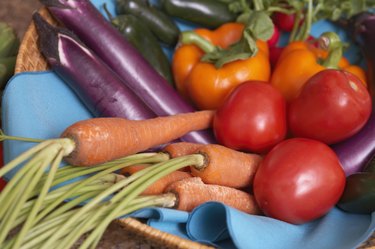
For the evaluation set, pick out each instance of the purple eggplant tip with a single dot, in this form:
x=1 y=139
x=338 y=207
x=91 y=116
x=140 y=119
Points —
x=48 y=37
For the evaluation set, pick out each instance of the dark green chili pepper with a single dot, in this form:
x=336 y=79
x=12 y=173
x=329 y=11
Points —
x=163 y=27
x=370 y=167
x=208 y=13
x=359 y=194
x=141 y=37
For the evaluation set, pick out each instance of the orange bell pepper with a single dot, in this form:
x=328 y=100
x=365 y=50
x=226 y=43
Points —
x=300 y=60
x=205 y=84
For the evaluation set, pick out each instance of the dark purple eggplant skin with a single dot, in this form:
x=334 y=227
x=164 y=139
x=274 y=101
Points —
x=82 y=17
x=357 y=151
x=99 y=89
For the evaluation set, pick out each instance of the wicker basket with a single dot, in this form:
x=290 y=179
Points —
x=30 y=59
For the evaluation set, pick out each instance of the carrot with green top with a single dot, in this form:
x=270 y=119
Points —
x=227 y=167
x=192 y=192
x=99 y=140
x=181 y=149
x=159 y=186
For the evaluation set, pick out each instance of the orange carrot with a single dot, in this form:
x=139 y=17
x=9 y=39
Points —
x=227 y=167
x=128 y=171
x=99 y=140
x=192 y=192
x=159 y=186
x=181 y=149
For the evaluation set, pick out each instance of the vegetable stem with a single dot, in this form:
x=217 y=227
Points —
x=331 y=42
x=308 y=22
x=4 y=137
x=190 y=37
x=38 y=203
x=28 y=185
x=140 y=185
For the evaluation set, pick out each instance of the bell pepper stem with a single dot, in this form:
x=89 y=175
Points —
x=331 y=42
x=190 y=37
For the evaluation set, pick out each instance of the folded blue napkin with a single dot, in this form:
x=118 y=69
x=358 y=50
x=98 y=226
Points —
x=40 y=105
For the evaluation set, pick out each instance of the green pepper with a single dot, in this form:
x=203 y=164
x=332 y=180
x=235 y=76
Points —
x=6 y=69
x=140 y=36
x=162 y=26
x=359 y=193
x=9 y=44
x=207 y=13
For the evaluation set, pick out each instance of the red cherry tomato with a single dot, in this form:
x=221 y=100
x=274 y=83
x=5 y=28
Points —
x=275 y=53
x=299 y=180
x=252 y=118
x=284 y=22
x=274 y=38
x=332 y=106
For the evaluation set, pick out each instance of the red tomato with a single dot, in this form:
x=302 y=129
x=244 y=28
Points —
x=275 y=53
x=252 y=118
x=284 y=22
x=332 y=106
x=299 y=180
x=274 y=38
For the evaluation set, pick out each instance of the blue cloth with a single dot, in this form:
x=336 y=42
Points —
x=40 y=105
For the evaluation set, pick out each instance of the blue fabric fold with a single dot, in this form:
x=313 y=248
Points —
x=217 y=223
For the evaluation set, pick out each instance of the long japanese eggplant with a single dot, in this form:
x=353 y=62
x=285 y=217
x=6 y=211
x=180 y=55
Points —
x=99 y=89
x=85 y=20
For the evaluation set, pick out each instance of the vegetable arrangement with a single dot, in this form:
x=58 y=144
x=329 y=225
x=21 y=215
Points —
x=301 y=124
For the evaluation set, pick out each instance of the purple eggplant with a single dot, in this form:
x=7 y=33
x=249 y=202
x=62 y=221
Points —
x=357 y=151
x=101 y=91
x=85 y=20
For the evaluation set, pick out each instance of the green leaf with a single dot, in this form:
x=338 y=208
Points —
x=9 y=42
x=260 y=24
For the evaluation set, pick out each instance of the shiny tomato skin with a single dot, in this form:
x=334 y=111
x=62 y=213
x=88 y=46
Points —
x=299 y=180
x=332 y=106
x=284 y=22
x=252 y=118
